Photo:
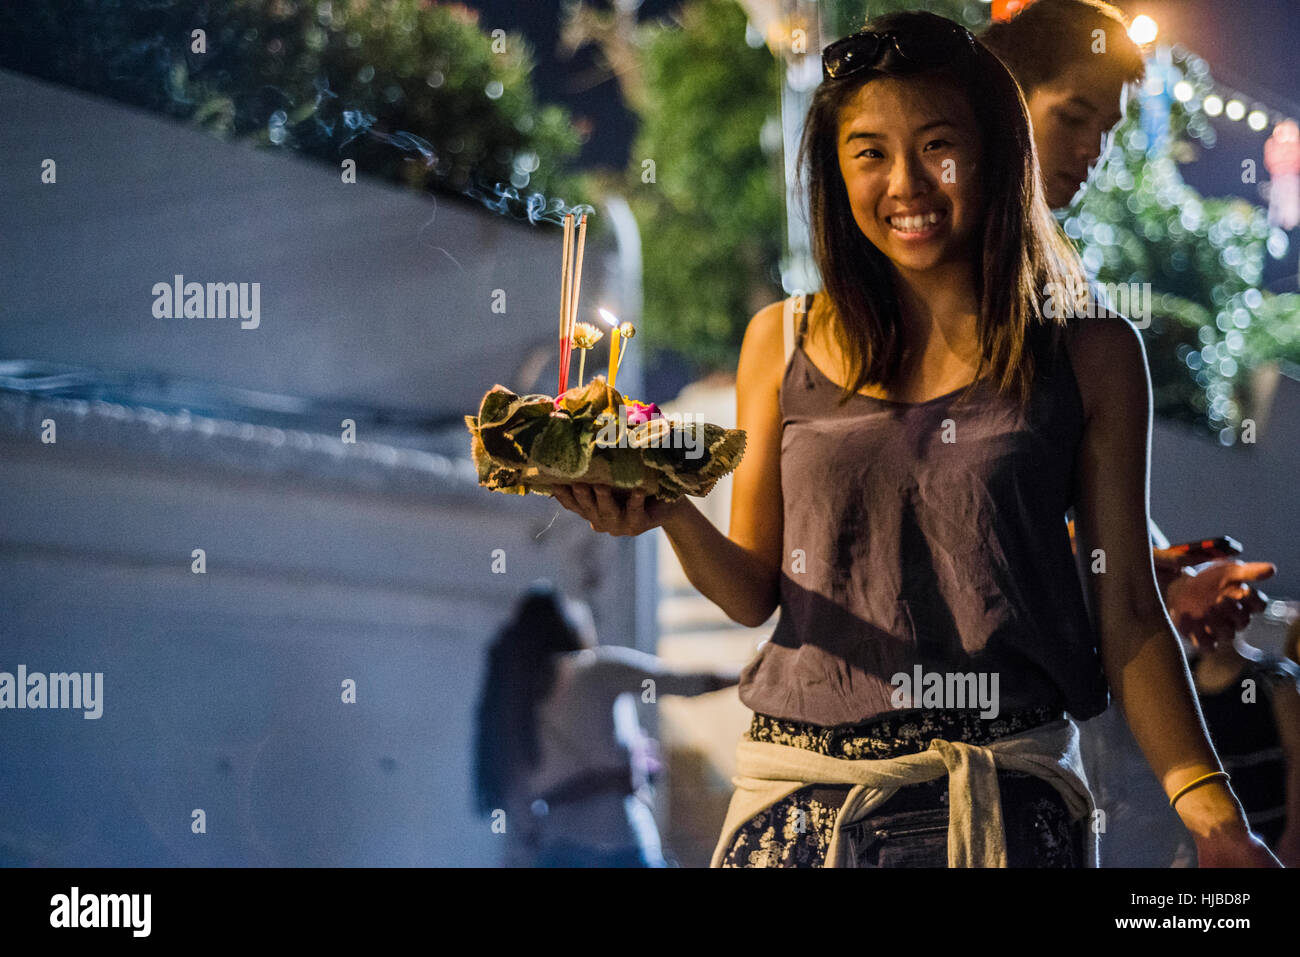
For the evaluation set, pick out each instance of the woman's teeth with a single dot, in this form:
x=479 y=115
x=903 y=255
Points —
x=913 y=224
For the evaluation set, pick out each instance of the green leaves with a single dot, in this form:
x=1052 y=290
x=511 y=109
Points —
x=319 y=74
x=557 y=449
x=529 y=443
x=1204 y=257
x=716 y=207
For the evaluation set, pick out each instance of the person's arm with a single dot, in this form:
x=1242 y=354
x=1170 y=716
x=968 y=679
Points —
x=740 y=573
x=626 y=669
x=1286 y=710
x=1139 y=649
x=1211 y=602
x=1167 y=570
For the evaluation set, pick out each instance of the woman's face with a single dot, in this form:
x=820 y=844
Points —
x=909 y=152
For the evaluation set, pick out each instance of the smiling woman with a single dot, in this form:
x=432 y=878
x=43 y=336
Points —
x=917 y=133
x=912 y=521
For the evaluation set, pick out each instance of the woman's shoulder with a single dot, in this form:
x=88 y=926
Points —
x=767 y=326
x=1107 y=356
x=763 y=350
x=1093 y=336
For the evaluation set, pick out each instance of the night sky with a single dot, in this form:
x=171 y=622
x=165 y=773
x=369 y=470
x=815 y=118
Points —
x=575 y=83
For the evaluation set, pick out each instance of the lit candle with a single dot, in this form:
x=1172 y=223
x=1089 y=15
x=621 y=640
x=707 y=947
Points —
x=613 y=344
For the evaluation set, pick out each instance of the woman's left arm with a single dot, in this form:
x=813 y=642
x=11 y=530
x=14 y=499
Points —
x=1140 y=654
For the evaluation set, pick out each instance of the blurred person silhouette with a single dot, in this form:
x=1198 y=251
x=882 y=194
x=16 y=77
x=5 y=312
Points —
x=560 y=748
x=1292 y=644
x=1251 y=704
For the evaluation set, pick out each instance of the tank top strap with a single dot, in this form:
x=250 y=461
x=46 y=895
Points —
x=796 y=322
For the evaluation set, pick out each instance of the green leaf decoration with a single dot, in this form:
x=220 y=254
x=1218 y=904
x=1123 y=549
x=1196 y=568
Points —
x=723 y=450
x=557 y=449
x=625 y=467
x=496 y=406
x=501 y=446
x=591 y=399
x=523 y=444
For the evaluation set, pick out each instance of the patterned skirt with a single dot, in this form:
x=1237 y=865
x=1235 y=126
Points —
x=910 y=829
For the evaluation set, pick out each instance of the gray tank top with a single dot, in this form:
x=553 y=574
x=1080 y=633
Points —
x=930 y=534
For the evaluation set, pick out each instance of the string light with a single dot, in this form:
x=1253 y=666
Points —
x=1259 y=118
x=1143 y=30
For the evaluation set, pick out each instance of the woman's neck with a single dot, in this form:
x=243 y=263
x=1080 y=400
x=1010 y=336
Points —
x=939 y=309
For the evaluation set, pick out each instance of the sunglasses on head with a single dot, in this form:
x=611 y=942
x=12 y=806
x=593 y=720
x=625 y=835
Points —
x=865 y=50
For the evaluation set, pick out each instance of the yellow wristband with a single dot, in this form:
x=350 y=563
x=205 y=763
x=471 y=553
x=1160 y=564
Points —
x=1203 y=778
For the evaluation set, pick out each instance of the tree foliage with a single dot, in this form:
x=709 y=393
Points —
x=710 y=206
x=1212 y=324
x=411 y=89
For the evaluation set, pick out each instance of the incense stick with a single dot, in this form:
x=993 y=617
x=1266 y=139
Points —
x=565 y=265
x=577 y=287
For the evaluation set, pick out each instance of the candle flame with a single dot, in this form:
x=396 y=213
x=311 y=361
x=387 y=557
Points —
x=608 y=317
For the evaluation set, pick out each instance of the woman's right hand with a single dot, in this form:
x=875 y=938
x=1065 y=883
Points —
x=632 y=515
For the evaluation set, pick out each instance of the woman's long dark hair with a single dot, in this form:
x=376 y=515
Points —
x=1024 y=252
x=520 y=673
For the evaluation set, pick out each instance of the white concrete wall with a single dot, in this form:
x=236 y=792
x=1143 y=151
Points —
x=325 y=561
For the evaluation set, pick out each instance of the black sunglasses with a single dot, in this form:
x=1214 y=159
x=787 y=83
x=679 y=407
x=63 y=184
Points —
x=864 y=50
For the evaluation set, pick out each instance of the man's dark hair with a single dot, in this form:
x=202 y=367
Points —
x=1045 y=38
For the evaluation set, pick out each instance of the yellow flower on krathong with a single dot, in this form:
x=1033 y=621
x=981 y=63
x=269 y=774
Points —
x=585 y=335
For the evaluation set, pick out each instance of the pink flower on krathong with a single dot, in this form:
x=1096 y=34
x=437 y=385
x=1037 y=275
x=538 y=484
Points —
x=638 y=412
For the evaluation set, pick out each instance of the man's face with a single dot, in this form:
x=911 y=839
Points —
x=1073 y=116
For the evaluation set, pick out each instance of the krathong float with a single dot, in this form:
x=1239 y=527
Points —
x=591 y=433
